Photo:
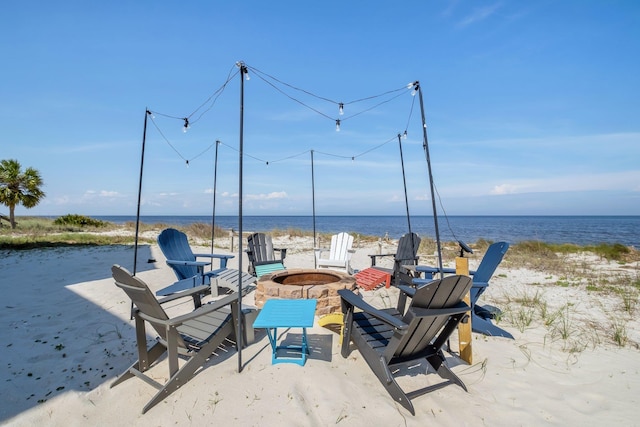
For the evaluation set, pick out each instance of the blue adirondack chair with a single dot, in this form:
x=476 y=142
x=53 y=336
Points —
x=480 y=315
x=175 y=247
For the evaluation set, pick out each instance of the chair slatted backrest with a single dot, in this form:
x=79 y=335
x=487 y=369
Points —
x=260 y=246
x=143 y=299
x=492 y=258
x=340 y=245
x=407 y=248
x=444 y=293
x=175 y=246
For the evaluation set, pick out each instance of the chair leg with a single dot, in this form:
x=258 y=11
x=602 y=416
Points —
x=398 y=394
x=152 y=355
x=346 y=333
x=195 y=362
x=382 y=371
x=437 y=362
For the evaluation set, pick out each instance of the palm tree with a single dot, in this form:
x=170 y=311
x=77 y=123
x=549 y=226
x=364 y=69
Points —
x=19 y=188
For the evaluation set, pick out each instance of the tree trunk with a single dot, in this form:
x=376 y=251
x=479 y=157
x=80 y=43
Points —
x=12 y=216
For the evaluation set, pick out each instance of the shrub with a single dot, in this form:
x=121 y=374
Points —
x=617 y=251
x=78 y=221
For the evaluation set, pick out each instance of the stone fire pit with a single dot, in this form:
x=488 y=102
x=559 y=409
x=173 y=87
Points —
x=322 y=285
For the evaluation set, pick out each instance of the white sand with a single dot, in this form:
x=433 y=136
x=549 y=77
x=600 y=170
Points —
x=66 y=335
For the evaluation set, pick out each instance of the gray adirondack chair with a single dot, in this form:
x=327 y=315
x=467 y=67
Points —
x=389 y=338
x=406 y=254
x=261 y=255
x=193 y=336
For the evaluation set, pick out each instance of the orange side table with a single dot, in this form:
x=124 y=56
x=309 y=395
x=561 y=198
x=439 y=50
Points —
x=371 y=277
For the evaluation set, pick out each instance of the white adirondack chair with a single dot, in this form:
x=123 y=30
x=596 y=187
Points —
x=339 y=255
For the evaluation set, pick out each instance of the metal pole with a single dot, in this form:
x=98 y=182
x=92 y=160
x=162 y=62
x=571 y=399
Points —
x=404 y=180
x=213 y=214
x=425 y=145
x=135 y=245
x=313 y=203
x=243 y=71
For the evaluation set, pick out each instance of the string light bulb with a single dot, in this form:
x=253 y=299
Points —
x=186 y=125
x=187 y=162
x=338 y=125
x=404 y=135
x=341 y=109
x=243 y=70
x=413 y=85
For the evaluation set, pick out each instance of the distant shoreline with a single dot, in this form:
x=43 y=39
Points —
x=581 y=230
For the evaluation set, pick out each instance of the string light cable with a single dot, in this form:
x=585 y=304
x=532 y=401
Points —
x=187 y=161
x=273 y=82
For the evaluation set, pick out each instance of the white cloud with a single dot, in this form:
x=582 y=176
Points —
x=270 y=196
x=504 y=189
x=603 y=181
x=479 y=14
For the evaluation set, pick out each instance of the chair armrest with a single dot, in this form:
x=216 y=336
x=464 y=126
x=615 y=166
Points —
x=430 y=271
x=355 y=301
x=205 y=309
x=479 y=285
x=283 y=252
x=195 y=263
x=222 y=257
x=187 y=293
x=200 y=311
x=407 y=290
x=426 y=269
x=214 y=273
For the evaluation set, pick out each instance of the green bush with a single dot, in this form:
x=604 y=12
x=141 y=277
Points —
x=78 y=221
x=617 y=251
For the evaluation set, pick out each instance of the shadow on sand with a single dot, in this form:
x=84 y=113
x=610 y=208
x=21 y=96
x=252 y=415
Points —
x=55 y=339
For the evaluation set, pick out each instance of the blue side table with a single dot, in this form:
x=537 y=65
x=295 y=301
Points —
x=285 y=313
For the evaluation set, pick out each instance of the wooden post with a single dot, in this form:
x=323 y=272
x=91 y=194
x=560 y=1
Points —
x=464 y=329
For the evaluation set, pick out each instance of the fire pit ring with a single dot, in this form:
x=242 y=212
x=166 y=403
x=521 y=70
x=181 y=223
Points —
x=322 y=285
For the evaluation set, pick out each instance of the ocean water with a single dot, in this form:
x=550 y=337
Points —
x=580 y=230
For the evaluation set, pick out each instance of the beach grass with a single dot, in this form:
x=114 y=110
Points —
x=72 y=229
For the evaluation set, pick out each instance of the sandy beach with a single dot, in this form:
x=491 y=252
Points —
x=67 y=335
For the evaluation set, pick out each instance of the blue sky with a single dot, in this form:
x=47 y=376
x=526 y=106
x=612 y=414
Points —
x=532 y=108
